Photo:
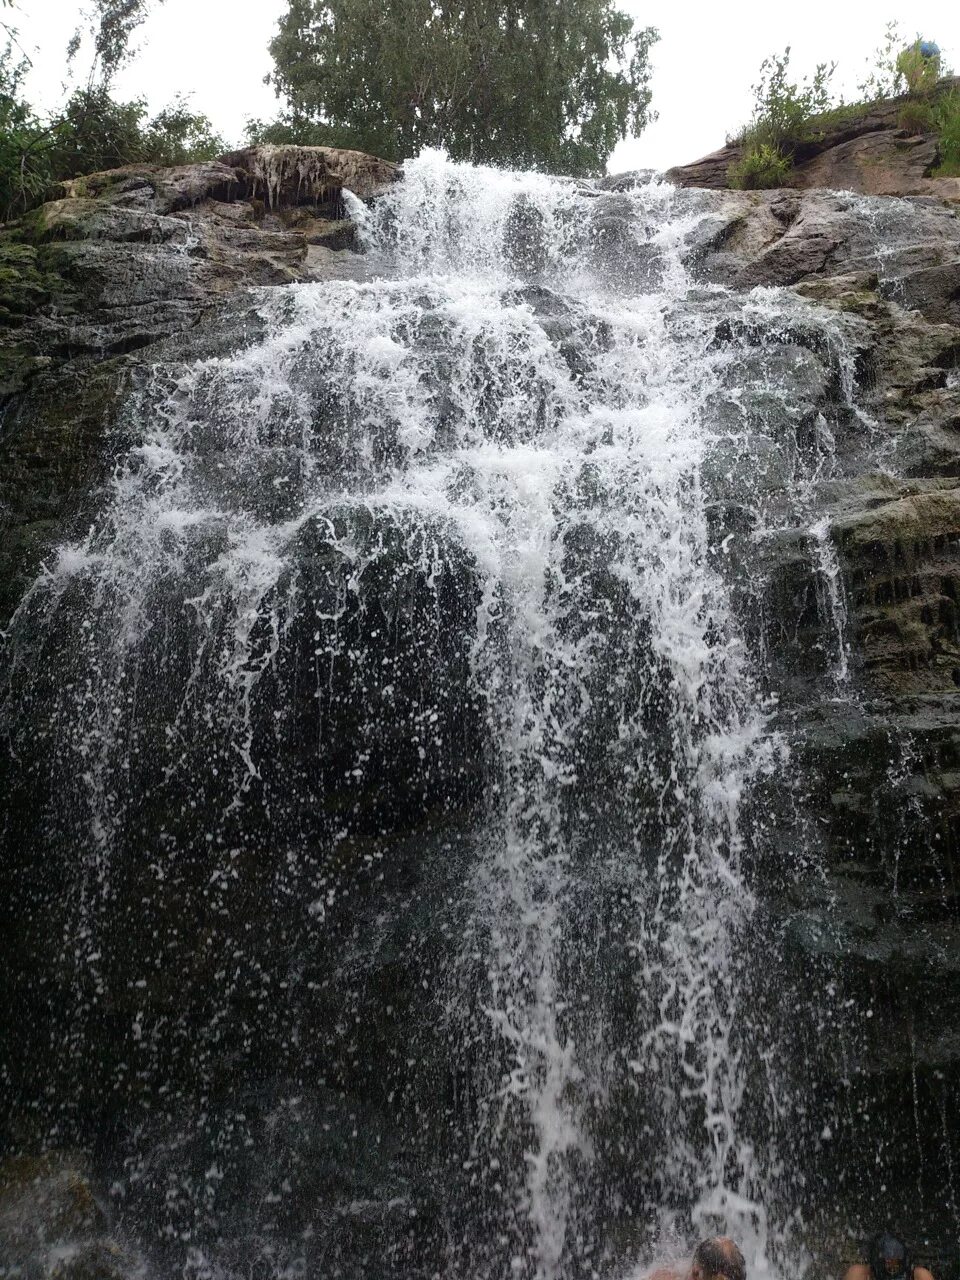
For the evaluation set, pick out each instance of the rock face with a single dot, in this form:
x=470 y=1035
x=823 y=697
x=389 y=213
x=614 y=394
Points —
x=131 y=267
x=853 y=149
x=52 y=1226
x=880 y=757
x=118 y=262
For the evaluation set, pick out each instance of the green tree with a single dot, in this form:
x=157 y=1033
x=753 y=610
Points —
x=92 y=130
x=547 y=84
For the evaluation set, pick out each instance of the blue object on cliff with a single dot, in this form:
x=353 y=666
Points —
x=929 y=48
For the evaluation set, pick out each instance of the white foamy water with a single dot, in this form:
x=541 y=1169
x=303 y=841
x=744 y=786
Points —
x=517 y=411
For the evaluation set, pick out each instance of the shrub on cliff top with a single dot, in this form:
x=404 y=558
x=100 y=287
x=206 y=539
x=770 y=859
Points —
x=920 y=70
x=22 y=177
x=761 y=168
x=530 y=83
x=948 y=121
x=783 y=108
x=93 y=130
x=97 y=132
x=782 y=115
x=900 y=66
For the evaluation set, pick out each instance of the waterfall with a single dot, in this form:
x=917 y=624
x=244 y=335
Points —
x=397 y=724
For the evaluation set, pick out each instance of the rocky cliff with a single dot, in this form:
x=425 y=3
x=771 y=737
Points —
x=118 y=262
x=857 y=148
x=142 y=266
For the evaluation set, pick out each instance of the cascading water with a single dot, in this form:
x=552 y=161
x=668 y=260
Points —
x=398 y=721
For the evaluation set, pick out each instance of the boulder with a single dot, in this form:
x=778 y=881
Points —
x=290 y=175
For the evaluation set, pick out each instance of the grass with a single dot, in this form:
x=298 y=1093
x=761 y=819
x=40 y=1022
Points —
x=917 y=117
x=767 y=163
x=761 y=168
x=948 y=121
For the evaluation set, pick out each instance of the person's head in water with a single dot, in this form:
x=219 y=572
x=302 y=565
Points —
x=718 y=1257
x=888 y=1257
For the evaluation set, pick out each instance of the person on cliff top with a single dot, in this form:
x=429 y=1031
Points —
x=887 y=1259
x=715 y=1259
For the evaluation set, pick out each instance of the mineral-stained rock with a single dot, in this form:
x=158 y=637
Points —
x=290 y=175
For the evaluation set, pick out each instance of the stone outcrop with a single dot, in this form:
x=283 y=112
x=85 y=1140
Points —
x=861 y=149
x=289 y=176
x=124 y=268
x=119 y=261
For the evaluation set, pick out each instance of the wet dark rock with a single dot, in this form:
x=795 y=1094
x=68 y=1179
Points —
x=52 y=1226
x=872 y=790
x=127 y=270
x=91 y=284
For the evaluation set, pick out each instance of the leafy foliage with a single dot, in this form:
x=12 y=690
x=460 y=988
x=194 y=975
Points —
x=899 y=67
x=920 y=73
x=97 y=132
x=782 y=115
x=93 y=132
x=536 y=83
x=787 y=114
x=886 y=78
x=112 y=24
x=783 y=108
x=948 y=122
x=22 y=179
x=296 y=130
x=761 y=167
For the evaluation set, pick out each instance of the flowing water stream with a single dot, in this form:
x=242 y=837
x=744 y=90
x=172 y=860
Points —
x=399 y=720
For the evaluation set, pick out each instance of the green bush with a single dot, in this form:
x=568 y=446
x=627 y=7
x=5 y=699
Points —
x=916 y=117
x=96 y=132
x=783 y=109
x=948 y=122
x=885 y=79
x=93 y=132
x=177 y=135
x=24 y=172
x=761 y=167
x=297 y=131
x=782 y=119
x=919 y=72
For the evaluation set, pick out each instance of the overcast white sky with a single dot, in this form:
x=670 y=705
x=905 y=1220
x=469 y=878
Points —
x=705 y=63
